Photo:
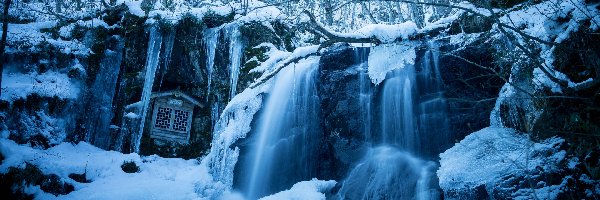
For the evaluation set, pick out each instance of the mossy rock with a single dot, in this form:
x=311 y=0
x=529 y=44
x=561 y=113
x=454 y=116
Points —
x=469 y=23
x=578 y=57
x=256 y=33
x=212 y=19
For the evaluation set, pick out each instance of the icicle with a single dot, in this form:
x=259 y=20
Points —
x=167 y=56
x=235 y=56
x=152 y=59
x=214 y=114
x=211 y=37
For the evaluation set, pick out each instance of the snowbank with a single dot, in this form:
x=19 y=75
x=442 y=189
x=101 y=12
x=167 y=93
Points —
x=305 y=190
x=491 y=154
x=159 y=178
x=386 y=33
x=49 y=84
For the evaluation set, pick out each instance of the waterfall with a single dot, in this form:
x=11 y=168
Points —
x=398 y=123
x=366 y=92
x=386 y=173
x=236 y=51
x=152 y=60
x=432 y=106
x=99 y=110
x=285 y=146
x=412 y=120
x=211 y=38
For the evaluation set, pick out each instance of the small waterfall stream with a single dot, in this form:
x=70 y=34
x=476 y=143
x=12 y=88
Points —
x=285 y=145
x=366 y=92
x=393 y=167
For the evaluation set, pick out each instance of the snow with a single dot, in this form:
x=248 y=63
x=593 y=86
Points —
x=304 y=190
x=131 y=115
x=24 y=37
x=490 y=154
x=387 y=33
x=135 y=8
x=278 y=62
x=48 y=84
x=541 y=80
x=388 y=57
x=275 y=56
x=546 y=22
x=256 y=11
x=159 y=178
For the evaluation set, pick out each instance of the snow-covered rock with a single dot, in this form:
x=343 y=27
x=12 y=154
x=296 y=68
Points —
x=305 y=190
x=489 y=156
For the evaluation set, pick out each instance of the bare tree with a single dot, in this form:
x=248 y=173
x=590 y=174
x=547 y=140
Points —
x=3 y=41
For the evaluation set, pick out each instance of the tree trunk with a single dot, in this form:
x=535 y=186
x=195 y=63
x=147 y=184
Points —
x=326 y=4
x=3 y=41
x=59 y=5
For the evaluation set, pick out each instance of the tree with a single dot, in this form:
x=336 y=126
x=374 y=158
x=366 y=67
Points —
x=3 y=41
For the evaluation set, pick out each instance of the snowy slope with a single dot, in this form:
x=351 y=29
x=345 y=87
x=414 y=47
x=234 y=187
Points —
x=159 y=178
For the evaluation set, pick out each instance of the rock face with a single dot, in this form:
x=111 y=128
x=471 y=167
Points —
x=111 y=87
x=471 y=89
x=340 y=111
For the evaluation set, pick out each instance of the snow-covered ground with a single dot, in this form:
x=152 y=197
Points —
x=159 y=178
x=489 y=156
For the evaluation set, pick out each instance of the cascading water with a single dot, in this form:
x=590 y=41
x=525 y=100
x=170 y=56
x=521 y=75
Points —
x=393 y=168
x=99 y=116
x=397 y=115
x=152 y=60
x=432 y=107
x=285 y=146
x=366 y=93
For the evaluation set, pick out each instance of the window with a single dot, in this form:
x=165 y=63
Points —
x=172 y=119
x=163 y=118
x=180 y=121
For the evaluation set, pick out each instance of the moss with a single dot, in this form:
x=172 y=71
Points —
x=40 y=141
x=13 y=182
x=34 y=102
x=212 y=19
x=114 y=16
x=165 y=26
x=53 y=185
x=130 y=167
x=98 y=48
x=470 y=24
x=255 y=33
x=286 y=34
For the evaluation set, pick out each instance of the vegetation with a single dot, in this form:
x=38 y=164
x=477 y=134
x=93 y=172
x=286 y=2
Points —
x=130 y=167
x=12 y=183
